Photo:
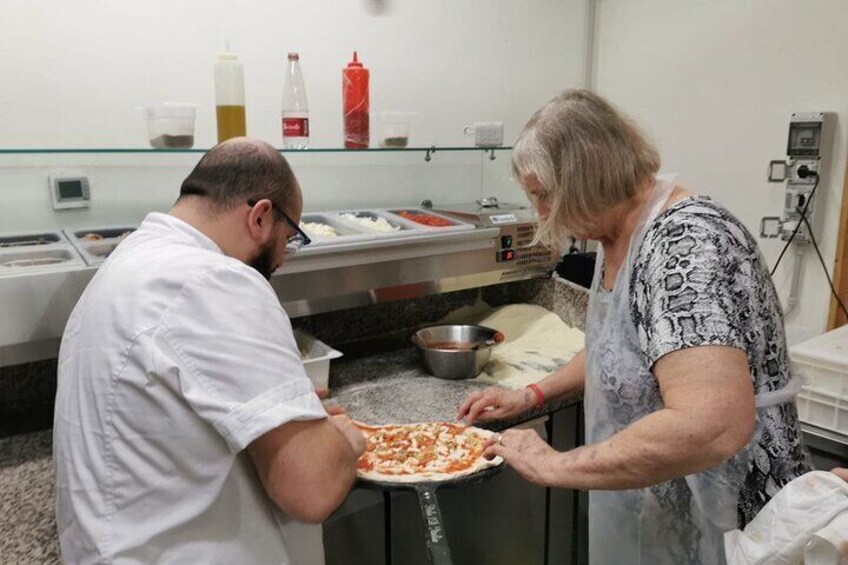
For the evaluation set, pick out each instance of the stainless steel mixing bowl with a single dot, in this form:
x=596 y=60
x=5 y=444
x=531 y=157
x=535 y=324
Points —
x=455 y=352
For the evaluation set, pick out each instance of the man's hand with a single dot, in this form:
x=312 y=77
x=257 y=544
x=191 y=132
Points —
x=353 y=435
x=332 y=409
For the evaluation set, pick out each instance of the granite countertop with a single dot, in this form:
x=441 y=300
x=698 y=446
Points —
x=380 y=383
x=381 y=388
x=383 y=381
x=27 y=499
x=392 y=388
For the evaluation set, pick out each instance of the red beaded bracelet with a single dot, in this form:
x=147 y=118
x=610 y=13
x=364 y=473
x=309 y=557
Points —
x=540 y=396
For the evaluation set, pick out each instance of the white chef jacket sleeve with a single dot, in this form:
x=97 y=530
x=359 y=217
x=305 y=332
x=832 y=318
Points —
x=237 y=361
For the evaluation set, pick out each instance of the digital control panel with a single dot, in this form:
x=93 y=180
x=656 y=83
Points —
x=69 y=191
x=512 y=256
x=513 y=247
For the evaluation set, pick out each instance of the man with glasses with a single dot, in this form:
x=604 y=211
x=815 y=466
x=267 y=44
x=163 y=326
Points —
x=186 y=430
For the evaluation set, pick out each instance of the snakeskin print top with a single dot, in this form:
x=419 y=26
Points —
x=699 y=279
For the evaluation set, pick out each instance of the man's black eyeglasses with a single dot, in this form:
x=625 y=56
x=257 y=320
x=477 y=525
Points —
x=294 y=242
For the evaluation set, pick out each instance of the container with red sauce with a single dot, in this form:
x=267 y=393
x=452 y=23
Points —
x=424 y=219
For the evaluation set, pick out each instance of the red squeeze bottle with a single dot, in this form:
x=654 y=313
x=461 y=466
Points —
x=355 y=105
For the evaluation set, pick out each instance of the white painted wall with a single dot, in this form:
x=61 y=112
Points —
x=714 y=83
x=75 y=73
x=711 y=81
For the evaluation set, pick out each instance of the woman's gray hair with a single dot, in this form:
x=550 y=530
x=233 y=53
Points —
x=587 y=156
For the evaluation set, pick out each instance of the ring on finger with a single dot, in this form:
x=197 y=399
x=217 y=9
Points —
x=499 y=439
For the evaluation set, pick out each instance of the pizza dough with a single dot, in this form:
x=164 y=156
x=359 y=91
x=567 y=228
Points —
x=415 y=453
x=537 y=342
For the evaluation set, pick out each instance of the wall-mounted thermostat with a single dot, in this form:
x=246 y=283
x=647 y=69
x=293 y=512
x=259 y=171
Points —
x=69 y=191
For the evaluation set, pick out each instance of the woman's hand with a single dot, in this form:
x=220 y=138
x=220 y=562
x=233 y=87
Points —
x=526 y=452
x=495 y=404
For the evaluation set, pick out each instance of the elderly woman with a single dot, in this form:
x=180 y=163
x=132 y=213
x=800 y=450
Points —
x=691 y=425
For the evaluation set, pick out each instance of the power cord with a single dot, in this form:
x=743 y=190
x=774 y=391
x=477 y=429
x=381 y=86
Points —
x=824 y=266
x=803 y=172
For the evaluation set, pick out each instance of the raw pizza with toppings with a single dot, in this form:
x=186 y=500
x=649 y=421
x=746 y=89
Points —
x=412 y=453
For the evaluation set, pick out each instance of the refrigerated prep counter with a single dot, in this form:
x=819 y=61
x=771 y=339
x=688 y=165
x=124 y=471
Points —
x=358 y=257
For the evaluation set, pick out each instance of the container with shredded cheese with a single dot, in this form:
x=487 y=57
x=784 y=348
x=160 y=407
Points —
x=330 y=228
x=317 y=229
x=371 y=221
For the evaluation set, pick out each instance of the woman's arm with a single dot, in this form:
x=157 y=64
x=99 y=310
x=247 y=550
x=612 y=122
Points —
x=497 y=403
x=709 y=415
x=567 y=380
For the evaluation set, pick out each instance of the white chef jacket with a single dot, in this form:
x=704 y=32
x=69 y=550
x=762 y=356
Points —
x=175 y=358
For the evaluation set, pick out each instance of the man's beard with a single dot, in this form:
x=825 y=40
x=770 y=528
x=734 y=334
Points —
x=263 y=262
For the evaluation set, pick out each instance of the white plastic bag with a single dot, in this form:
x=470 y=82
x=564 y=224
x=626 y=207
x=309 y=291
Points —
x=805 y=523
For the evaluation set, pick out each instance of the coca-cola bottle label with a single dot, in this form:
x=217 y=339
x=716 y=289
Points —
x=295 y=127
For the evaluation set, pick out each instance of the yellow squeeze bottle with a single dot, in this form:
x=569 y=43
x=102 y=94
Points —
x=229 y=96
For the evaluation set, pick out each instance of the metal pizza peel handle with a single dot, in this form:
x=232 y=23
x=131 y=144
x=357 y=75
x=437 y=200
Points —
x=438 y=551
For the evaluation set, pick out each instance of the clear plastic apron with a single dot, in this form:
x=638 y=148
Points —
x=681 y=521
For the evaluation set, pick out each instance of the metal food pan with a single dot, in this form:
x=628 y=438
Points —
x=24 y=261
x=453 y=224
x=346 y=231
x=102 y=233
x=95 y=251
x=394 y=220
x=31 y=240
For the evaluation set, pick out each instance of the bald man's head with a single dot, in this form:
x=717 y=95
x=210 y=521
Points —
x=242 y=169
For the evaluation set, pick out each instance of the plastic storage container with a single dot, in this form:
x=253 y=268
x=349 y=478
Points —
x=170 y=125
x=295 y=113
x=316 y=356
x=394 y=128
x=229 y=97
x=355 y=105
x=823 y=360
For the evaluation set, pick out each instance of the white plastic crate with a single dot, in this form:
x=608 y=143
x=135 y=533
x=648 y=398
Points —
x=823 y=360
x=316 y=356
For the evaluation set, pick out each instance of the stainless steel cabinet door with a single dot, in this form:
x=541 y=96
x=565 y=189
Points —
x=498 y=522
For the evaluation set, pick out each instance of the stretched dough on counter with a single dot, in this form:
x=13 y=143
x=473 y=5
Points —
x=537 y=342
